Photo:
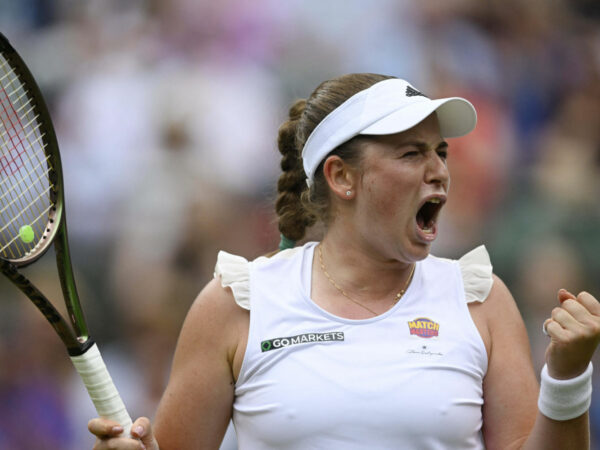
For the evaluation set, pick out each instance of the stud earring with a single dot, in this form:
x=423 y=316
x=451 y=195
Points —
x=348 y=193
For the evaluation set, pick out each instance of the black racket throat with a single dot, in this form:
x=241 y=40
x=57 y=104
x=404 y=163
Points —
x=75 y=346
x=32 y=196
x=32 y=217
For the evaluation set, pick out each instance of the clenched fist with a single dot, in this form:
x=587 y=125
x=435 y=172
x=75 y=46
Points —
x=574 y=330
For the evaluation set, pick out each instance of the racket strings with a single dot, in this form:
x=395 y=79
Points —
x=6 y=248
x=5 y=197
x=25 y=186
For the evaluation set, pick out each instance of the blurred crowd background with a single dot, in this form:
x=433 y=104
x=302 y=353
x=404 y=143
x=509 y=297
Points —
x=167 y=115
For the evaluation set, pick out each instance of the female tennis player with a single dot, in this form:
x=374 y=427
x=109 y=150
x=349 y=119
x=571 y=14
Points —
x=364 y=339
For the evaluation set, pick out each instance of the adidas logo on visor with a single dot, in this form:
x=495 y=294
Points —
x=412 y=92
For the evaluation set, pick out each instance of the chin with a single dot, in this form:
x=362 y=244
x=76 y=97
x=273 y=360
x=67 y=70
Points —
x=424 y=253
x=416 y=251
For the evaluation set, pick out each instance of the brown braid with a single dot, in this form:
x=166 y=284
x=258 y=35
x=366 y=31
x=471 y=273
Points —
x=297 y=206
x=293 y=219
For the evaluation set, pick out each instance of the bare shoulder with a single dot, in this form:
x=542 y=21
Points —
x=196 y=406
x=215 y=321
x=510 y=385
x=215 y=305
x=498 y=314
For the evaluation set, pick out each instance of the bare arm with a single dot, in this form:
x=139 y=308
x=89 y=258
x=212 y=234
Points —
x=510 y=386
x=510 y=414
x=196 y=407
x=574 y=332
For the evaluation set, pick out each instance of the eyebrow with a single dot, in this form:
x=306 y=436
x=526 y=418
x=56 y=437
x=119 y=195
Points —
x=422 y=145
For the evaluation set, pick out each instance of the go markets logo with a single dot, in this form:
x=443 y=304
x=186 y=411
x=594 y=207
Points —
x=308 y=338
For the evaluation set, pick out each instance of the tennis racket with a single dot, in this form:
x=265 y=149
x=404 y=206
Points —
x=32 y=218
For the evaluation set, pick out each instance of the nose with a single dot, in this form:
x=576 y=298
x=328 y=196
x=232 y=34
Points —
x=437 y=170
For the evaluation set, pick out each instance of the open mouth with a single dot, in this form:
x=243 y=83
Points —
x=428 y=214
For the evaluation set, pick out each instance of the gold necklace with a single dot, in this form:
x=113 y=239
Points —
x=396 y=298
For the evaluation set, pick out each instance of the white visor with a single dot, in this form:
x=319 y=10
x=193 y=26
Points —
x=388 y=107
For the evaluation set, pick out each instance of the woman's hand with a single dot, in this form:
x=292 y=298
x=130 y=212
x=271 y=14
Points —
x=574 y=329
x=108 y=431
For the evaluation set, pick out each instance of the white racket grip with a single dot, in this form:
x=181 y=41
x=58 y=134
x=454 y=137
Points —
x=101 y=388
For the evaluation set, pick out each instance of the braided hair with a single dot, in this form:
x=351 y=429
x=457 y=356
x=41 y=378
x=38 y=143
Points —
x=299 y=207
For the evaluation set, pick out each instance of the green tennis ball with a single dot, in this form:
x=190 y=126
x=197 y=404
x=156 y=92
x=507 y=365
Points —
x=26 y=234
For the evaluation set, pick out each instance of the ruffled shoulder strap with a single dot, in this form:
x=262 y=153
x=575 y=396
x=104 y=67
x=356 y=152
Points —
x=476 y=269
x=235 y=274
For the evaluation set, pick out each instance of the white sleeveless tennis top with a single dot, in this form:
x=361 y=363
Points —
x=410 y=378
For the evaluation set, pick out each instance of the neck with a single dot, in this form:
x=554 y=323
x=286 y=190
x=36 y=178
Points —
x=363 y=273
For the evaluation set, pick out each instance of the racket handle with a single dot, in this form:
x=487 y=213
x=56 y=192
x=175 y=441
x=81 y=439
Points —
x=101 y=388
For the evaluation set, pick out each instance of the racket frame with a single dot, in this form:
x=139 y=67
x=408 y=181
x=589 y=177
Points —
x=56 y=213
x=83 y=351
x=55 y=230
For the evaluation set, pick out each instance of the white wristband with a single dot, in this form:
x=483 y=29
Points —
x=565 y=399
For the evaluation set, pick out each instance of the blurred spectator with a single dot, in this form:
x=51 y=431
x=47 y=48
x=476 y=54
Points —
x=167 y=115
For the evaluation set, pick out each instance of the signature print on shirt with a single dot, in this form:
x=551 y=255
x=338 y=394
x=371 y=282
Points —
x=423 y=327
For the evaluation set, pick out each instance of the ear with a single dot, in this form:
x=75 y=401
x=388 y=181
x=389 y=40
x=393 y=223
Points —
x=340 y=177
